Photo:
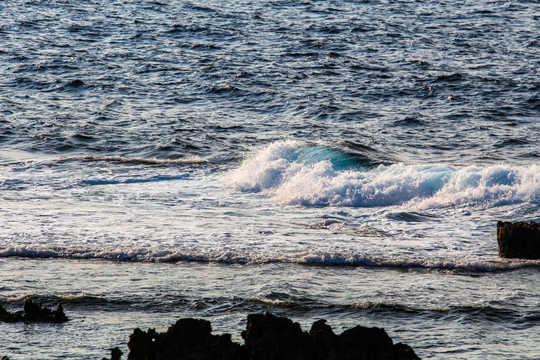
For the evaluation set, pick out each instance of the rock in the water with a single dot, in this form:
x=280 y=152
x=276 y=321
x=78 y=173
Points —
x=271 y=337
x=116 y=354
x=34 y=313
x=187 y=339
x=519 y=240
x=267 y=337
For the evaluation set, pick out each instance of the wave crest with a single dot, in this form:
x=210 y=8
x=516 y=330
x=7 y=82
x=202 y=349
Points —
x=313 y=175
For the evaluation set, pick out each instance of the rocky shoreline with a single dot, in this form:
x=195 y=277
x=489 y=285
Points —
x=267 y=337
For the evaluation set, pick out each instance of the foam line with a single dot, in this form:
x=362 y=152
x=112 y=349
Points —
x=302 y=258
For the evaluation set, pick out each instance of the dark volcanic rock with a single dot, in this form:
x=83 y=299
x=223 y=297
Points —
x=267 y=337
x=34 y=313
x=187 y=339
x=116 y=354
x=519 y=240
x=270 y=337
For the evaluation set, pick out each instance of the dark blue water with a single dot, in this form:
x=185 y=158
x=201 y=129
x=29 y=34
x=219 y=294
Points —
x=345 y=160
x=437 y=81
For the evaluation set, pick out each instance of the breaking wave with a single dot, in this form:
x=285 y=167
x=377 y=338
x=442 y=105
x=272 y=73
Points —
x=298 y=173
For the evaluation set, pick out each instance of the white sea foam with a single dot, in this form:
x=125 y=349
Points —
x=267 y=169
x=309 y=258
x=290 y=180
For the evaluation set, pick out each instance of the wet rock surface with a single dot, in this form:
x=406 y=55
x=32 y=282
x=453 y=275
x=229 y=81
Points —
x=519 y=240
x=267 y=337
x=34 y=313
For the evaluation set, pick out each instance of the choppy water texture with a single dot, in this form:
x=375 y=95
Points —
x=317 y=159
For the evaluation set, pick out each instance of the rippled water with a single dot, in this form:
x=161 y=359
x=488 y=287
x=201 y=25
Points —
x=420 y=81
x=345 y=160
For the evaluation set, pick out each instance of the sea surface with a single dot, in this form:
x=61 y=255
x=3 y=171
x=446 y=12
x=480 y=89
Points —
x=345 y=160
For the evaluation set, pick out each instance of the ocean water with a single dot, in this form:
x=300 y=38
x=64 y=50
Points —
x=345 y=160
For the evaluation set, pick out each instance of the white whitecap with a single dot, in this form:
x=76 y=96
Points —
x=275 y=171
